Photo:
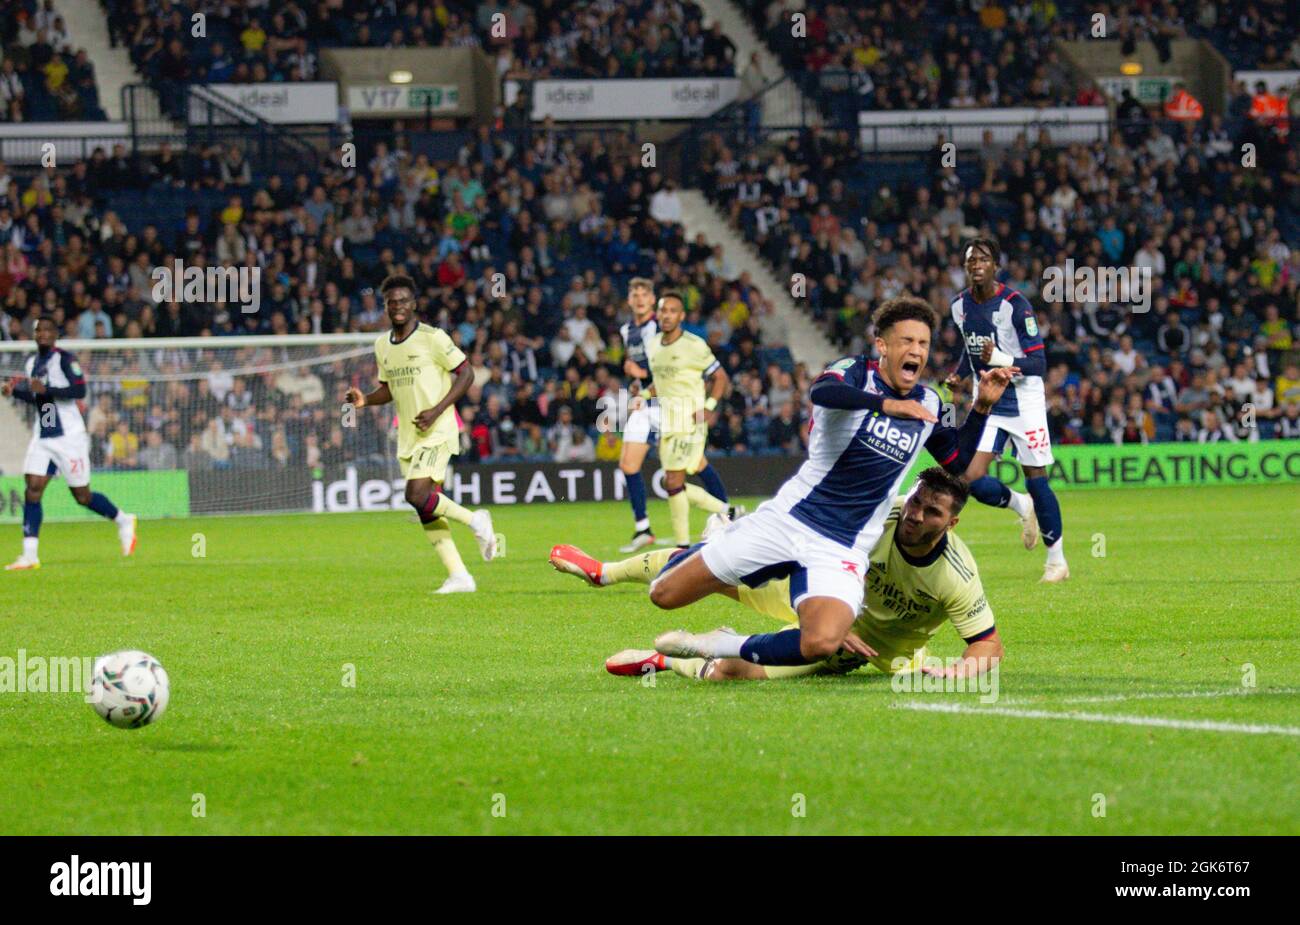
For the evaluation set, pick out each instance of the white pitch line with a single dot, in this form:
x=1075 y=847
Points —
x=1158 y=695
x=1204 y=725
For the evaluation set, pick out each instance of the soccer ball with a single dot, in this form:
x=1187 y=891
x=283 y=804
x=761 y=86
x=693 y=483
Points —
x=129 y=689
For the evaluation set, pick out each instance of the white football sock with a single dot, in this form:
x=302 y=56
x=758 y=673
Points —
x=728 y=646
x=122 y=518
x=1020 y=503
x=1056 y=553
x=643 y=524
x=29 y=547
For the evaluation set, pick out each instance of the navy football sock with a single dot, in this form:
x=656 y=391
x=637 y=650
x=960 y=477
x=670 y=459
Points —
x=102 y=506
x=713 y=482
x=990 y=491
x=32 y=515
x=636 y=494
x=1046 y=507
x=774 y=648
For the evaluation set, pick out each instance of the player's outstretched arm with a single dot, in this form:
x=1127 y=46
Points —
x=954 y=447
x=380 y=396
x=980 y=656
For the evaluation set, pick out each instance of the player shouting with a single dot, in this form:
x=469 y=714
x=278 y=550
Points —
x=999 y=330
x=424 y=373
x=60 y=444
x=921 y=576
x=869 y=425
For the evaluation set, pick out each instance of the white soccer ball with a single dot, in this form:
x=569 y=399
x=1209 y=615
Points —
x=129 y=689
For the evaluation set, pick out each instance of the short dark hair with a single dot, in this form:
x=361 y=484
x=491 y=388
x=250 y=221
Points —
x=397 y=281
x=990 y=246
x=904 y=308
x=939 y=480
x=672 y=294
x=47 y=316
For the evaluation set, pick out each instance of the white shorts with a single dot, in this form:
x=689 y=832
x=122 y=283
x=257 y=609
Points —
x=68 y=456
x=641 y=423
x=770 y=544
x=1027 y=432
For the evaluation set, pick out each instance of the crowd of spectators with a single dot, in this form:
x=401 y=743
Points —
x=1215 y=355
x=522 y=256
x=250 y=42
x=924 y=55
x=43 y=76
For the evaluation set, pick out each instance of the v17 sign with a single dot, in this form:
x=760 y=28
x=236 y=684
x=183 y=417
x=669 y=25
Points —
x=389 y=99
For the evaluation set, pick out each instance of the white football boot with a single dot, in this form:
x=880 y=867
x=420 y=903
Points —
x=458 y=584
x=681 y=644
x=1055 y=572
x=481 y=524
x=126 y=535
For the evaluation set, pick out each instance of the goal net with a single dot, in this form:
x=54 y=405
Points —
x=184 y=426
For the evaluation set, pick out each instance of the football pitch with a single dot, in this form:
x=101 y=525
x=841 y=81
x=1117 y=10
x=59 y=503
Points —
x=1157 y=691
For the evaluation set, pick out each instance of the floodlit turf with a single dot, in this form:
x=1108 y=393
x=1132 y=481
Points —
x=497 y=700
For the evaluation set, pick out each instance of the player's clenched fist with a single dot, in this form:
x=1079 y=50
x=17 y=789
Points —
x=354 y=397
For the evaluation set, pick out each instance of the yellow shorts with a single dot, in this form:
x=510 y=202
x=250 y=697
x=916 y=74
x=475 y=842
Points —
x=683 y=452
x=426 y=462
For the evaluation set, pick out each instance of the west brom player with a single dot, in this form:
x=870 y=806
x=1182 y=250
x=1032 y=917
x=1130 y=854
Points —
x=921 y=576
x=869 y=425
x=643 y=419
x=60 y=444
x=999 y=330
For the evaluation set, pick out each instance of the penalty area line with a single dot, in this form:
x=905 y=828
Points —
x=1202 y=725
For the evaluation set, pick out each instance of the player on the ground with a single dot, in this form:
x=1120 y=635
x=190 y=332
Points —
x=424 y=373
x=1000 y=331
x=680 y=364
x=921 y=575
x=869 y=425
x=54 y=384
x=643 y=417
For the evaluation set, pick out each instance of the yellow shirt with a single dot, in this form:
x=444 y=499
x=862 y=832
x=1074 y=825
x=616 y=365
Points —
x=1287 y=390
x=417 y=372
x=736 y=313
x=123 y=447
x=907 y=600
x=679 y=370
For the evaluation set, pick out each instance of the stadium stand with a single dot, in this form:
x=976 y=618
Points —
x=43 y=77
x=568 y=218
x=549 y=38
x=566 y=224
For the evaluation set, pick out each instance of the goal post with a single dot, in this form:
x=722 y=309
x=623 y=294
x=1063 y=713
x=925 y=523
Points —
x=208 y=425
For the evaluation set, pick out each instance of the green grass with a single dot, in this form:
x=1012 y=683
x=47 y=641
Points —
x=461 y=698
